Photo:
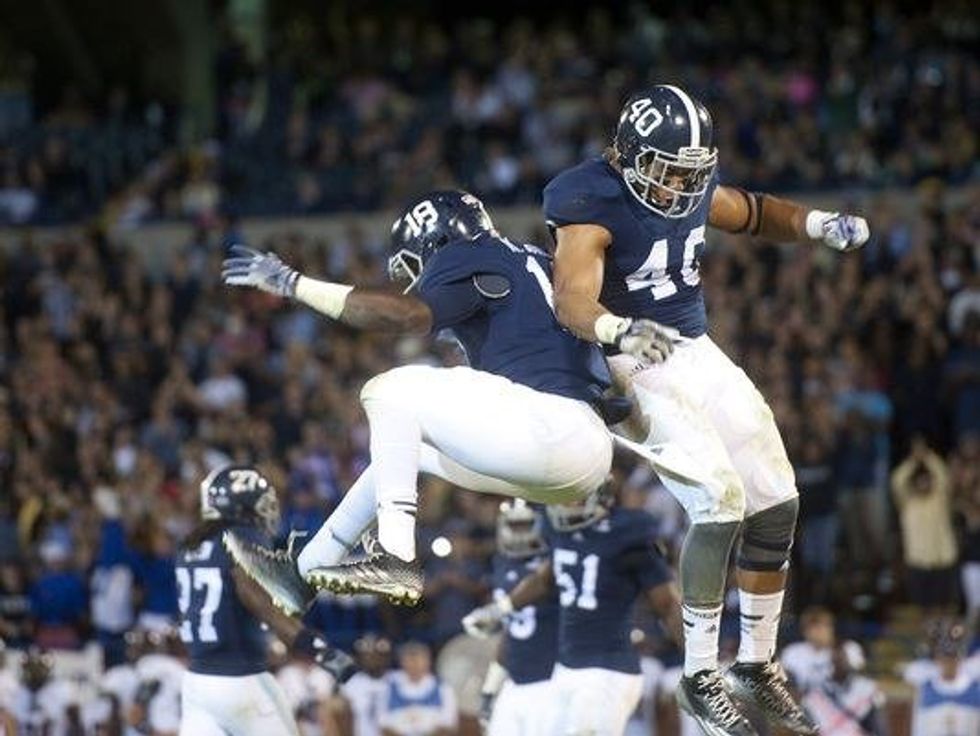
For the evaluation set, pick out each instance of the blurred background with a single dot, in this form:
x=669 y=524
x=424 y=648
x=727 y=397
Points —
x=137 y=140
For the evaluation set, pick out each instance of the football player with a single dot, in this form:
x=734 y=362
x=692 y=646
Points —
x=521 y=420
x=227 y=688
x=602 y=560
x=630 y=232
x=518 y=681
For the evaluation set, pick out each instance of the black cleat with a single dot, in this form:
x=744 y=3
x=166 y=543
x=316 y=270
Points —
x=275 y=571
x=764 y=685
x=704 y=696
x=379 y=572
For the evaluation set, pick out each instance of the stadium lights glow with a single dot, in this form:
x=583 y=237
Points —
x=441 y=547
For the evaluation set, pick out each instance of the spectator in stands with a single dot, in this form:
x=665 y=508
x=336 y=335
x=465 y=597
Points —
x=367 y=691
x=58 y=599
x=418 y=704
x=809 y=663
x=965 y=471
x=819 y=518
x=153 y=563
x=846 y=703
x=948 y=696
x=922 y=493
x=15 y=605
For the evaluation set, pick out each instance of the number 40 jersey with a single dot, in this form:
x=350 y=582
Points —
x=652 y=268
x=222 y=637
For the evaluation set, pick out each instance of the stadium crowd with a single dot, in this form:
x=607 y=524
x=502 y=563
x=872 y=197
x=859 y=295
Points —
x=123 y=384
x=354 y=112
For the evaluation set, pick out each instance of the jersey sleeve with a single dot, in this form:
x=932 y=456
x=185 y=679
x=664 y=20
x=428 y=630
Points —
x=448 y=287
x=639 y=556
x=574 y=198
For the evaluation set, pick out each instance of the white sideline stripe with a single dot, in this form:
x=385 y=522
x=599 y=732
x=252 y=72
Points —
x=692 y=114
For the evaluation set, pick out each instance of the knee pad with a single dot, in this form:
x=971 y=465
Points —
x=767 y=537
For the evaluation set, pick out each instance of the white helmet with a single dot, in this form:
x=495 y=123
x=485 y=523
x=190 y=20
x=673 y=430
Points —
x=518 y=532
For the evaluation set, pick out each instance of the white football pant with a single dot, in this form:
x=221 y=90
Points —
x=522 y=710
x=474 y=429
x=702 y=408
x=251 y=705
x=593 y=702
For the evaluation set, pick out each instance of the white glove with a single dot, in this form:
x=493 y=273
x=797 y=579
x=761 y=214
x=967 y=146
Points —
x=648 y=341
x=265 y=271
x=837 y=231
x=485 y=621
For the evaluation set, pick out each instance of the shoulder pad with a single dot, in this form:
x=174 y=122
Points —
x=492 y=285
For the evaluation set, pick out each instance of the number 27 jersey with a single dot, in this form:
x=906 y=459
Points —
x=652 y=267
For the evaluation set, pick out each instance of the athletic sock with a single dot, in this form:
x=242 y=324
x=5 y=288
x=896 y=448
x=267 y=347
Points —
x=760 y=625
x=343 y=530
x=701 y=629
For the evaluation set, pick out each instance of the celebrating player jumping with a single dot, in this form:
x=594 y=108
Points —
x=630 y=231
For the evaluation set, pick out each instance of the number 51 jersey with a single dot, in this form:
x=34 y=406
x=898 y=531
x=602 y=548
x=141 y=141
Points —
x=221 y=635
x=600 y=571
x=652 y=268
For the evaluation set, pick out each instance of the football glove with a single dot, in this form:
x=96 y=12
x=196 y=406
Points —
x=335 y=661
x=647 y=341
x=485 y=621
x=486 y=710
x=840 y=232
x=265 y=271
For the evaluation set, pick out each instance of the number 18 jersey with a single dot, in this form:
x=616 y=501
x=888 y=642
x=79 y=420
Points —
x=652 y=268
x=221 y=635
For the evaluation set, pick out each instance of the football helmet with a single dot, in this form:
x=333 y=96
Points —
x=427 y=224
x=663 y=146
x=518 y=532
x=240 y=494
x=570 y=517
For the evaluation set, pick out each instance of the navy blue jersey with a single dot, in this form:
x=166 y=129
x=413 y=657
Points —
x=600 y=571
x=531 y=646
x=221 y=635
x=652 y=268
x=495 y=296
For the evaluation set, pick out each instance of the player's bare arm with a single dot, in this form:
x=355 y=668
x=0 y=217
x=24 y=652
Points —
x=735 y=210
x=665 y=600
x=364 y=308
x=289 y=630
x=578 y=272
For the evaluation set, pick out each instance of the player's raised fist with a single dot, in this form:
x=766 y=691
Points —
x=648 y=341
x=837 y=231
x=265 y=271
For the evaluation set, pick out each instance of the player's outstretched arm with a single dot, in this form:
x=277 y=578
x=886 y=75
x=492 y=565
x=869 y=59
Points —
x=487 y=620
x=735 y=210
x=291 y=631
x=364 y=308
x=578 y=270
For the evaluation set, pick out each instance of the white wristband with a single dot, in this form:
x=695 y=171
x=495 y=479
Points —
x=814 y=223
x=505 y=604
x=608 y=327
x=323 y=296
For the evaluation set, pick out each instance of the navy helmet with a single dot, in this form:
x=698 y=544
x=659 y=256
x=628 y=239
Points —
x=518 y=530
x=663 y=146
x=595 y=506
x=430 y=222
x=240 y=494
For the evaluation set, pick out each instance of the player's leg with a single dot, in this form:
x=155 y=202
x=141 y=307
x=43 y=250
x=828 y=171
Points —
x=506 y=716
x=489 y=425
x=598 y=702
x=263 y=708
x=688 y=454
x=196 y=715
x=748 y=429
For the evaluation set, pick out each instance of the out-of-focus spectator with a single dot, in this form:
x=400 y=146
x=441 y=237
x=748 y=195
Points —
x=59 y=601
x=308 y=690
x=961 y=378
x=846 y=703
x=819 y=517
x=454 y=581
x=367 y=691
x=15 y=605
x=44 y=703
x=153 y=560
x=965 y=470
x=921 y=488
x=948 y=697
x=418 y=704
x=809 y=663
x=111 y=581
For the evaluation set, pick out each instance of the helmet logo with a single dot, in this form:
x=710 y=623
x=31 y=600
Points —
x=422 y=216
x=644 y=117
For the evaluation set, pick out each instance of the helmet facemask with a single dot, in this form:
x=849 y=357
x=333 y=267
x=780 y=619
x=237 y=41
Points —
x=405 y=267
x=518 y=532
x=672 y=185
x=571 y=517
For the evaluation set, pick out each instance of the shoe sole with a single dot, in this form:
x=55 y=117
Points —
x=708 y=728
x=744 y=695
x=280 y=601
x=400 y=595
